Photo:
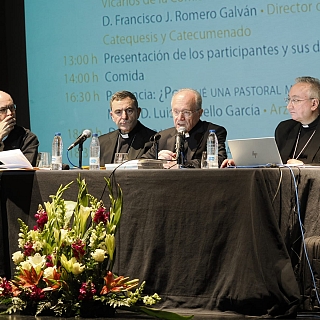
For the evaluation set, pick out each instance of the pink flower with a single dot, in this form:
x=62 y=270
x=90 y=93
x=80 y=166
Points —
x=101 y=215
x=87 y=291
x=78 y=249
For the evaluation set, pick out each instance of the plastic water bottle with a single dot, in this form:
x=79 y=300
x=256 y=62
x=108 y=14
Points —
x=57 y=149
x=212 y=150
x=94 y=160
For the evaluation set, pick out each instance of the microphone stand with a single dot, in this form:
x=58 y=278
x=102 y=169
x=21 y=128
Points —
x=156 y=146
x=80 y=148
x=180 y=155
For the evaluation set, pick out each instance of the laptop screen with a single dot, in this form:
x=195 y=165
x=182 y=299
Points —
x=255 y=151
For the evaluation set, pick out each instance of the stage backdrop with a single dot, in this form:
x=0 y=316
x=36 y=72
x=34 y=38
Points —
x=242 y=56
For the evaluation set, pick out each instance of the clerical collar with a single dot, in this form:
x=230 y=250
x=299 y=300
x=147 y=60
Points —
x=313 y=124
x=131 y=133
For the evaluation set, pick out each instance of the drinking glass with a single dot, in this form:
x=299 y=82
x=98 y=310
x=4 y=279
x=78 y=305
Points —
x=120 y=157
x=44 y=160
x=204 y=162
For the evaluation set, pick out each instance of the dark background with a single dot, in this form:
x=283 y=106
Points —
x=13 y=69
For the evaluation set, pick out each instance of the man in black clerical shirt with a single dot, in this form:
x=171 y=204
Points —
x=298 y=138
x=186 y=108
x=132 y=136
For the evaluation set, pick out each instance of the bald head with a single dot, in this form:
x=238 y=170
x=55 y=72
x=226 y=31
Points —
x=5 y=99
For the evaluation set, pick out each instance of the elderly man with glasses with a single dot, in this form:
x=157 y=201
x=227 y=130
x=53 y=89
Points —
x=298 y=138
x=132 y=137
x=13 y=136
x=186 y=108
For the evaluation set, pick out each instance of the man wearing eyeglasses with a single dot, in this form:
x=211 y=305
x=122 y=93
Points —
x=13 y=136
x=186 y=108
x=132 y=137
x=298 y=138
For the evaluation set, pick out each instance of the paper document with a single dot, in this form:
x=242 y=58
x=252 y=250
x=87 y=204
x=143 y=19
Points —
x=14 y=159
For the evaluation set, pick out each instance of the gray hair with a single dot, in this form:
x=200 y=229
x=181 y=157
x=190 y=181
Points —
x=314 y=86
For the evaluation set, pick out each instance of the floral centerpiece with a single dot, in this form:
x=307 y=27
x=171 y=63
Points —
x=65 y=263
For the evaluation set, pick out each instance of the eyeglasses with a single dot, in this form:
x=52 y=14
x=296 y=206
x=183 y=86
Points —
x=295 y=101
x=11 y=107
x=185 y=113
x=129 y=112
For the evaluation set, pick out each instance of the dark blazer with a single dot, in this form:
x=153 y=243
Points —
x=141 y=144
x=286 y=135
x=23 y=139
x=197 y=142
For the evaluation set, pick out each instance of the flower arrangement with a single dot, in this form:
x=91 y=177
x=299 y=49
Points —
x=65 y=263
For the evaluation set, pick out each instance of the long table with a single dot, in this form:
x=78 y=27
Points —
x=226 y=239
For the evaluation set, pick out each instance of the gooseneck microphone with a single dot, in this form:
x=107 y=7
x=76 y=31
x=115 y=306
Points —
x=82 y=138
x=155 y=138
x=180 y=138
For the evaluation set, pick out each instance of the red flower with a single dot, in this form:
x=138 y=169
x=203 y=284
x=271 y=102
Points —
x=28 y=250
x=49 y=262
x=87 y=291
x=35 y=293
x=42 y=219
x=6 y=287
x=101 y=215
x=78 y=249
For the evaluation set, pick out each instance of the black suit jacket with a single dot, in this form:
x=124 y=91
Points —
x=286 y=136
x=140 y=144
x=197 y=142
x=23 y=139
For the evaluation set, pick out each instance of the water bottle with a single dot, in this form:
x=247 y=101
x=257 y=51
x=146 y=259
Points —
x=212 y=150
x=94 y=160
x=57 y=149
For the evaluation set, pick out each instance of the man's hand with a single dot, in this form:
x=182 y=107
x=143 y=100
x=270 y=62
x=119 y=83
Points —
x=6 y=125
x=295 y=162
x=167 y=155
x=227 y=163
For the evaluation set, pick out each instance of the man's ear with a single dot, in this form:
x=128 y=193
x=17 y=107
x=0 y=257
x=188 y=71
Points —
x=112 y=116
x=138 y=112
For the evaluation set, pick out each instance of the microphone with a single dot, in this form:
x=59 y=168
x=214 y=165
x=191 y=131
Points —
x=180 y=136
x=82 y=138
x=155 y=138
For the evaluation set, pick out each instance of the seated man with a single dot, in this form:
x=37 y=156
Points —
x=186 y=108
x=13 y=136
x=298 y=138
x=132 y=137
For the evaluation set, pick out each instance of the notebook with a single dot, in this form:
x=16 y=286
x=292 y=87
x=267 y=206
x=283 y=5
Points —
x=255 y=152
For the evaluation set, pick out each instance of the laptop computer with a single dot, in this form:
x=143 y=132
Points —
x=255 y=152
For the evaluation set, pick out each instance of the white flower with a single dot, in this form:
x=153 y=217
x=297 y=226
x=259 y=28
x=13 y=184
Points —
x=17 y=257
x=37 y=246
x=37 y=262
x=77 y=268
x=98 y=255
x=25 y=265
x=48 y=273
x=111 y=245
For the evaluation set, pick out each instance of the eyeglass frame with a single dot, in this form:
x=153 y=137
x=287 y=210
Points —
x=11 y=107
x=294 y=101
x=186 y=113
